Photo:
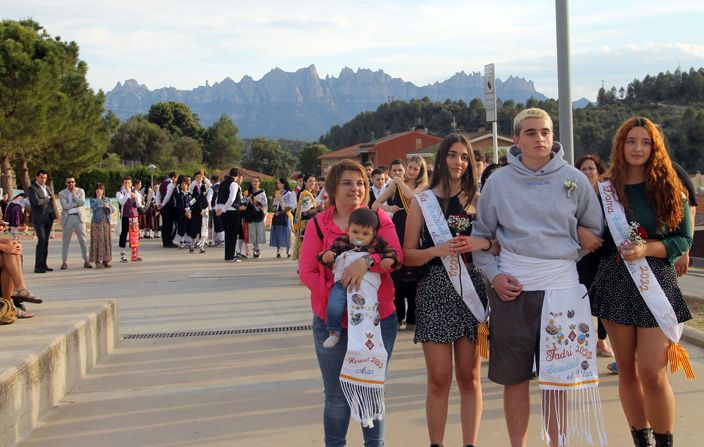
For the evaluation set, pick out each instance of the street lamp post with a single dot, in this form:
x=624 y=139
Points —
x=151 y=168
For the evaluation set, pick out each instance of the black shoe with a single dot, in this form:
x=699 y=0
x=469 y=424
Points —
x=39 y=270
x=642 y=437
x=278 y=255
x=48 y=269
x=256 y=253
x=663 y=440
x=170 y=246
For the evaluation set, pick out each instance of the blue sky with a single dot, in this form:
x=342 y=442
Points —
x=184 y=43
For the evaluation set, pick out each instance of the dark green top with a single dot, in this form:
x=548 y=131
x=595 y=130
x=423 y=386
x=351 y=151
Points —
x=676 y=242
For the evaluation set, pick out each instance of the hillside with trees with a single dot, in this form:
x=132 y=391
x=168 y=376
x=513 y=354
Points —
x=674 y=100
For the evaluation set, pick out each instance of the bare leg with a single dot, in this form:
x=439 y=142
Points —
x=651 y=361
x=6 y=281
x=517 y=412
x=13 y=266
x=438 y=363
x=624 y=343
x=467 y=363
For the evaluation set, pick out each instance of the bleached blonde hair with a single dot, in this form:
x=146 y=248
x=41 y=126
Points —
x=524 y=114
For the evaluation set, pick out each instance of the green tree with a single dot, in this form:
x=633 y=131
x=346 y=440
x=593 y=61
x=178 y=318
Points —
x=187 y=151
x=31 y=65
x=270 y=158
x=308 y=158
x=176 y=118
x=141 y=140
x=221 y=145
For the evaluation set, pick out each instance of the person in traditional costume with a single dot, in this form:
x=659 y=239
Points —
x=635 y=291
x=538 y=314
x=451 y=298
x=227 y=206
x=129 y=199
x=281 y=223
x=368 y=336
x=307 y=208
x=198 y=223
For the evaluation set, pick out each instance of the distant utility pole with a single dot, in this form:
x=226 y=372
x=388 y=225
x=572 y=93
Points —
x=564 y=94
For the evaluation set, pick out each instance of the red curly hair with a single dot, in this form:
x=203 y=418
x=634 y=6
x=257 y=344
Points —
x=663 y=188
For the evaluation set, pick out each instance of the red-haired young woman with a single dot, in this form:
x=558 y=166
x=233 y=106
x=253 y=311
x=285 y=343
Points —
x=653 y=197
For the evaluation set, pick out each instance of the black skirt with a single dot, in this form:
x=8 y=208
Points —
x=441 y=315
x=615 y=297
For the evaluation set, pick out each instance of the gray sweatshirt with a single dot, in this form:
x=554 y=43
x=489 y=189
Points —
x=530 y=213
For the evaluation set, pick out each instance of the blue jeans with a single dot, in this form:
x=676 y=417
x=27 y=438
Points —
x=336 y=307
x=336 y=413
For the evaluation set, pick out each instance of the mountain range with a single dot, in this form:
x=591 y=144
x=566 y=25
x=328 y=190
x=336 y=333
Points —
x=301 y=105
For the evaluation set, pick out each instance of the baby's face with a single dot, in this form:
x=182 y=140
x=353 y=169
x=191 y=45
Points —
x=359 y=235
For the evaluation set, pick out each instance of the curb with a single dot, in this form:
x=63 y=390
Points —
x=691 y=335
x=694 y=336
x=45 y=361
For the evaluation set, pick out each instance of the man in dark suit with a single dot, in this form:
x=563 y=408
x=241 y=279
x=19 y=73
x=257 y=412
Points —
x=42 y=209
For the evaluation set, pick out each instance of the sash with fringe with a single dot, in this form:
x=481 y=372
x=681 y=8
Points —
x=456 y=270
x=568 y=374
x=647 y=283
x=364 y=368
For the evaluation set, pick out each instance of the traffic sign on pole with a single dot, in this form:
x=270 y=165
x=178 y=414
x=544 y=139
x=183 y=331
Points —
x=489 y=93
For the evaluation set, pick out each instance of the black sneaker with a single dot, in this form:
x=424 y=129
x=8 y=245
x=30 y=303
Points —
x=256 y=253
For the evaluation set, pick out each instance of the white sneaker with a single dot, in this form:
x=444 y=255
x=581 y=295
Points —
x=331 y=341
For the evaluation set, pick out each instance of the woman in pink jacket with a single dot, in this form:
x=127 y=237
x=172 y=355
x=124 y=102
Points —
x=348 y=189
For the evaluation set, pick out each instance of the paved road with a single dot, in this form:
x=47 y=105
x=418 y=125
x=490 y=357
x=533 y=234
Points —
x=259 y=389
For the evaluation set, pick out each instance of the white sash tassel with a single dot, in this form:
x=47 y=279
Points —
x=364 y=369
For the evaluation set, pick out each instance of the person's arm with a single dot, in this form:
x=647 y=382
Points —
x=231 y=199
x=96 y=205
x=289 y=200
x=64 y=201
x=36 y=196
x=169 y=193
x=310 y=271
x=264 y=202
x=671 y=247
x=416 y=256
x=380 y=201
x=682 y=264
x=589 y=213
x=122 y=197
x=79 y=197
x=387 y=232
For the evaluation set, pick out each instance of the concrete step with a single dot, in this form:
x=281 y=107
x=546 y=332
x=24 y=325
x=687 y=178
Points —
x=44 y=357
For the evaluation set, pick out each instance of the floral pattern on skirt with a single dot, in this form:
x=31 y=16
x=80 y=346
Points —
x=100 y=242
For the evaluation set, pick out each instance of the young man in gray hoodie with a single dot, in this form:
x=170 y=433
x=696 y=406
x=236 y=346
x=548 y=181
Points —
x=527 y=207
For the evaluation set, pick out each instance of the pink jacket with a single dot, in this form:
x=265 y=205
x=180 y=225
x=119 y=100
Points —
x=320 y=280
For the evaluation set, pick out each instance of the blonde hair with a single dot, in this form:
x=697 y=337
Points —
x=524 y=114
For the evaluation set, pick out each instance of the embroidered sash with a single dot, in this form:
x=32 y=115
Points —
x=456 y=270
x=647 y=283
x=568 y=374
x=363 y=371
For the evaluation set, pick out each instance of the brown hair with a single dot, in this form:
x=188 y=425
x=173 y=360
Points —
x=441 y=173
x=333 y=178
x=423 y=173
x=600 y=165
x=97 y=187
x=663 y=188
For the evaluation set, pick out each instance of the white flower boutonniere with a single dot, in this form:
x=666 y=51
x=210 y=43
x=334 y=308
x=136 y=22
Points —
x=569 y=185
